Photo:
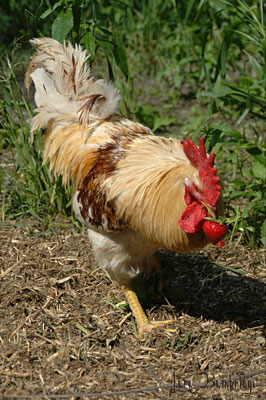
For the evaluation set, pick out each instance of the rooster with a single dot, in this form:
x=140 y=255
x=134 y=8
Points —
x=134 y=191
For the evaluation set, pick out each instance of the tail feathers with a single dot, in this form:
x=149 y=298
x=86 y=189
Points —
x=65 y=89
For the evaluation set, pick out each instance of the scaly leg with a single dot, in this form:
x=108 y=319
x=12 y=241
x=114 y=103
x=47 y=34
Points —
x=144 y=325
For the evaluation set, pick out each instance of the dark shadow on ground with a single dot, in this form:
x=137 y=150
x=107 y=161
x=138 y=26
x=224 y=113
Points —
x=192 y=284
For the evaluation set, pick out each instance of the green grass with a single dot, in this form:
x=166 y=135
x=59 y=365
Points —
x=28 y=188
x=206 y=59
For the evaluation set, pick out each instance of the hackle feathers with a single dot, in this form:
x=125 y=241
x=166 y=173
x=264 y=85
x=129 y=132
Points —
x=150 y=179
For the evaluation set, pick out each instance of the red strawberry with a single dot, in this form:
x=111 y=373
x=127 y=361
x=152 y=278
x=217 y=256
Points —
x=214 y=231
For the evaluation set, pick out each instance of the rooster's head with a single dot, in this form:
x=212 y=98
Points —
x=202 y=202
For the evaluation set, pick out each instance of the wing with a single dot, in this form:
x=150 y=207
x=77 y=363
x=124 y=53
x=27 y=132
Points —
x=92 y=203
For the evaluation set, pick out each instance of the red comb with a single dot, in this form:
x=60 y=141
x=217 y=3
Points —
x=207 y=172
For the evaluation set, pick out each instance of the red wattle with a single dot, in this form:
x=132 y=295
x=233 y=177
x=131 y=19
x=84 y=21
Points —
x=192 y=218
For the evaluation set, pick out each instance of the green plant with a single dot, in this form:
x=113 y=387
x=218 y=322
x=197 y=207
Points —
x=242 y=164
x=15 y=17
x=153 y=51
x=28 y=187
x=240 y=88
x=186 y=341
x=86 y=22
x=245 y=34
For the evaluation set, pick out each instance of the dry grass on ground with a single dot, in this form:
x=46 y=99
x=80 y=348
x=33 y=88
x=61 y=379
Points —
x=64 y=326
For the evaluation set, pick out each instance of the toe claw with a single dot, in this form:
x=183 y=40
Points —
x=147 y=328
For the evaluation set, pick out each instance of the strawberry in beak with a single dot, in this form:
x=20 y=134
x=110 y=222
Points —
x=215 y=232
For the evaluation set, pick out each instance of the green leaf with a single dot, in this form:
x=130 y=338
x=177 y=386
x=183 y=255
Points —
x=121 y=59
x=89 y=41
x=223 y=55
x=256 y=153
x=159 y=122
x=218 y=131
x=62 y=25
x=104 y=30
x=256 y=66
x=259 y=171
x=229 y=268
x=110 y=67
x=242 y=117
x=106 y=44
x=81 y=328
x=1 y=179
x=219 y=90
x=46 y=13
x=190 y=6
x=50 y=10
x=263 y=233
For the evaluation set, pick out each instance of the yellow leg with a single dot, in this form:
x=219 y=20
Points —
x=144 y=325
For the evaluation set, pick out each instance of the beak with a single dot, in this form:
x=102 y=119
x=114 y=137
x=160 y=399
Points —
x=211 y=210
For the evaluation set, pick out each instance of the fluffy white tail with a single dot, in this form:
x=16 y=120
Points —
x=65 y=89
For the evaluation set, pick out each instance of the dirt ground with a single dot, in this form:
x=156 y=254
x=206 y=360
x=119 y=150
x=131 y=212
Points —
x=66 y=331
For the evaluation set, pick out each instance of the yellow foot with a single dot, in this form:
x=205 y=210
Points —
x=143 y=324
x=148 y=327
